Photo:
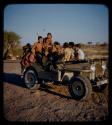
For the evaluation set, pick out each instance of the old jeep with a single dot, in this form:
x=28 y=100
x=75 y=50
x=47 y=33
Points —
x=80 y=76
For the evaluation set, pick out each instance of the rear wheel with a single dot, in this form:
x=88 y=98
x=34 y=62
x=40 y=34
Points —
x=80 y=88
x=31 y=79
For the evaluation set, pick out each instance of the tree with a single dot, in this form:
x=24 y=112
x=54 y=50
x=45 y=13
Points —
x=11 y=38
x=11 y=42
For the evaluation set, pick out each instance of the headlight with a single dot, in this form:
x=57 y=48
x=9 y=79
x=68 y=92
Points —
x=92 y=67
x=104 y=66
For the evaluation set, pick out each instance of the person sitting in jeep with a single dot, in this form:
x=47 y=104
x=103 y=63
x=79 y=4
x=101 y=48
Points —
x=47 y=43
x=28 y=57
x=79 y=54
x=71 y=48
x=37 y=50
x=53 y=56
x=68 y=51
x=26 y=49
x=47 y=47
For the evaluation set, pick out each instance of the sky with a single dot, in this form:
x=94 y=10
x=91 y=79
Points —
x=80 y=23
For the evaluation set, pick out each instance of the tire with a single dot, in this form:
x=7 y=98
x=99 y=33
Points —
x=80 y=88
x=31 y=79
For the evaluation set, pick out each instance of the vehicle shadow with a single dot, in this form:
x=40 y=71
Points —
x=55 y=93
x=13 y=78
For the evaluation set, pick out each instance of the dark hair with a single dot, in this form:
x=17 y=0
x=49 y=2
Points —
x=71 y=44
x=27 y=48
x=65 y=45
x=28 y=44
x=56 y=43
x=49 y=34
x=39 y=37
x=78 y=45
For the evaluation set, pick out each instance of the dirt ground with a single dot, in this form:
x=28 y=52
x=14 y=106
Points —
x=50 y=104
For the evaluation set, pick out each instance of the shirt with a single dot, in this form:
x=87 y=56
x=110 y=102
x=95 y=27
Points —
x=81 y=54
x=69 y=53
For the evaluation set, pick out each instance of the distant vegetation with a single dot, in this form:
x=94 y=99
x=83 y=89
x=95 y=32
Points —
x=96 y=51
x=12 y=44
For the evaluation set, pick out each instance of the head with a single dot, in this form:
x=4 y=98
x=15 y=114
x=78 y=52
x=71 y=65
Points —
x=57 y=44
x=65 y=45
x=71 y=44
x=78 y=46
x=28 y=44
x=40 y=39
x=49 y=35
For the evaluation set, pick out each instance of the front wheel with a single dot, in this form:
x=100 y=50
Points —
x=80 y=88
x=31 y=79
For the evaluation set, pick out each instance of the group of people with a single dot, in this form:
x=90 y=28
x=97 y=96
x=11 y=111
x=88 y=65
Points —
x=44 y=51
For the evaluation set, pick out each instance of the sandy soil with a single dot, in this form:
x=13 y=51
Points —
x=50 y=104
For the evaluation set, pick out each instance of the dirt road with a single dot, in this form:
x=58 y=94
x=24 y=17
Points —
x=53 y=104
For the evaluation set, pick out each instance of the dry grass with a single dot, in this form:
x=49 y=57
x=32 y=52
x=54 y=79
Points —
x=96 y=51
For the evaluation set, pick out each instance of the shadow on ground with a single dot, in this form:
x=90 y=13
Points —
x=55 y=93
x=13 y=78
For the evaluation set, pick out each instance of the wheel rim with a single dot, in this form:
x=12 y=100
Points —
x=30 y=79
x=78 y=88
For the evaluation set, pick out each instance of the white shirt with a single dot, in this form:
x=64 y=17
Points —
x=81 y=54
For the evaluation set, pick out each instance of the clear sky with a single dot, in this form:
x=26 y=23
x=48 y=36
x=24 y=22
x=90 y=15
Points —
x=67 y=22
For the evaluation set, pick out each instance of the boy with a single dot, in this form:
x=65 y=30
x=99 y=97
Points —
x=80 y=53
